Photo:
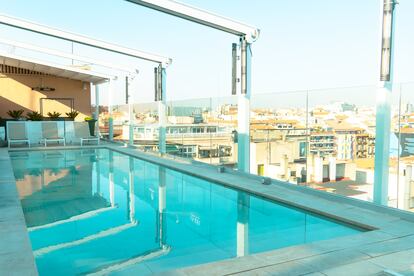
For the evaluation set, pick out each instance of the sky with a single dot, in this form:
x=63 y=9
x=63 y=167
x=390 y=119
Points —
x=304 y=45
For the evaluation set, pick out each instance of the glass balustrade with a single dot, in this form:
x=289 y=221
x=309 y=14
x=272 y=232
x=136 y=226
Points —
x=323 y=139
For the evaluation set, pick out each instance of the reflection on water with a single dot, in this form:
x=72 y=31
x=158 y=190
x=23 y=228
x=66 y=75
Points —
x=98 y=211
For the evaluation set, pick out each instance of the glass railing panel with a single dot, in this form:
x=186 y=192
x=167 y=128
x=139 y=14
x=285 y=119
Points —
x=120 y=121
x=394 y=147
x=278 y=136
x=401 y=184
x=103 y=121
x=145 y=126
x=341 y=151
x=324 y=139
x=187 y=132
x=222 y=122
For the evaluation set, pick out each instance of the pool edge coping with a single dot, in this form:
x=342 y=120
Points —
x=16 y=230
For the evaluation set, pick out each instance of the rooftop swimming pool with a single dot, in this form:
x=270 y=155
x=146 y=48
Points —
x=97 y=211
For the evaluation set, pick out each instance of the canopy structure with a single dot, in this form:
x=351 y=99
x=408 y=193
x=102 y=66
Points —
x=162 y=62
x=81 y=39
x=52 y=69
x=248 y=35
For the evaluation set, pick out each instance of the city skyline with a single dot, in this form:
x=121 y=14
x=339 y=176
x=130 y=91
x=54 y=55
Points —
x=316 y=48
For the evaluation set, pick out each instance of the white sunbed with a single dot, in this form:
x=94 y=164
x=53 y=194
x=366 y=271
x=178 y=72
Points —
x=82 y=132
x=50 y=133
x=17 y=133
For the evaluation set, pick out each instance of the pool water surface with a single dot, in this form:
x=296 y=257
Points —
x=96 y=211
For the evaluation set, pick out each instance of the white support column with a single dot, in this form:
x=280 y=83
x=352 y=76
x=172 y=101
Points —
x=243 y=206
x=110 y=119
x=97 y=109
x=318 y=169
x=162 y=108
x=383 y=109
x=130 y=112
x=332 y=168
x=286 y=167
x=243 y=114
x=405 y=189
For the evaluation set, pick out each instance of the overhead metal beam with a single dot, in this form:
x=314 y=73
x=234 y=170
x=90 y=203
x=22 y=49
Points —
x=49 y=31
x=202 y=17
x=57 y=53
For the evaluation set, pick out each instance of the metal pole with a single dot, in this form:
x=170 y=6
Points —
x=97 y=109
x=162 y=109
x=383 y=113
x=130 y=112
x=244 y=109
x=234 y=69
x=126 y=90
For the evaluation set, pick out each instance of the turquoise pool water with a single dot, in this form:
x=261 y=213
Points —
x=98 y=211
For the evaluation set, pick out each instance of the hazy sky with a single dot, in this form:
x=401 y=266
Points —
x=303 y=45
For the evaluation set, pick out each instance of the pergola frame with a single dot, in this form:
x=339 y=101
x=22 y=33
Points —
x=247 y=35
x=84 y=40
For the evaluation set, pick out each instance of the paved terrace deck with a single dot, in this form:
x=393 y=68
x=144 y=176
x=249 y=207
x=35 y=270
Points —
x=386 y=250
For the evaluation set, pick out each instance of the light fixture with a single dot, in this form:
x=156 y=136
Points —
x=43 y=88
x=85 y=85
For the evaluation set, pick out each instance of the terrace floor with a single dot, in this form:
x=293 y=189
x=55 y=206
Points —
x=386 y=250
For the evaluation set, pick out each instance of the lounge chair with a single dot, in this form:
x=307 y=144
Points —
x=50 y=133
x=82 y=132
x=17 y=133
